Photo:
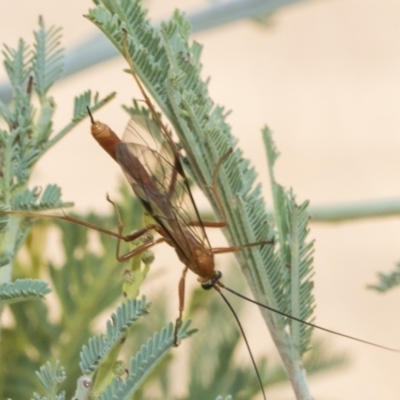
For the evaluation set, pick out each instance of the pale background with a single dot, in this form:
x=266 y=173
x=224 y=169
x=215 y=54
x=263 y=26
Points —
x=326 y=78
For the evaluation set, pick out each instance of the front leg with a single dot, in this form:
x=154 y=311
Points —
x=181 y=291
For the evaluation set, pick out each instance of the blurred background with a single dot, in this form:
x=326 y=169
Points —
x=325 y=77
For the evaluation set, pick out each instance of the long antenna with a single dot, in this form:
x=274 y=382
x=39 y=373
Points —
x=245 y=339
x=305 y=322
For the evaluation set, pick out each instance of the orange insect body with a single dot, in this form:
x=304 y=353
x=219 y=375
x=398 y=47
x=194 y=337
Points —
x=156 y=192
x=105 y=137
x=194 y=254
x=157 y=178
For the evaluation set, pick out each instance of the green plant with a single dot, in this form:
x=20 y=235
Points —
x=89 y=283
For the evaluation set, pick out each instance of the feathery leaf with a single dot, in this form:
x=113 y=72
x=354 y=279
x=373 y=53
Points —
x=21 y=290
x=99 y=346
x=387 y=281
x=47 y=58
x=51 y=379
x=145 y=361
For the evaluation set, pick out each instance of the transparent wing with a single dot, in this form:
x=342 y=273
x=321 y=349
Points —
x=156 y=175
x=146 y=132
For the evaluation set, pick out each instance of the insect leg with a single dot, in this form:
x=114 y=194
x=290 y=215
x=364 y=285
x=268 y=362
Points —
x=232 y=249
x=174 y=177
x=214 y=188
x=181 y=291
x=223 y=223
x=135 y=252
x=208 y=224
x=133 y=236
x=65 y=217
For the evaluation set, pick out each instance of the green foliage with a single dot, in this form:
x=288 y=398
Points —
x=87 y=283
x=51 y=379
x=99 y=346
x=33 y=199
x=47 y=59
x=21 y=290
x=31 y=71
x=29 y=135
x=169 y=67
x=216 y=368
x=387 y=281
x=295 y=256
x=86 y=286
x=146 y=358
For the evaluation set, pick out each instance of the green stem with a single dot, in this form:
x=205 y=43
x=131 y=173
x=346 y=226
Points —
x=74 y=123
x=355 y=210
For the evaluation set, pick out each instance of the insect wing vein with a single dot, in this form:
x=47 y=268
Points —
x=150 y=168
